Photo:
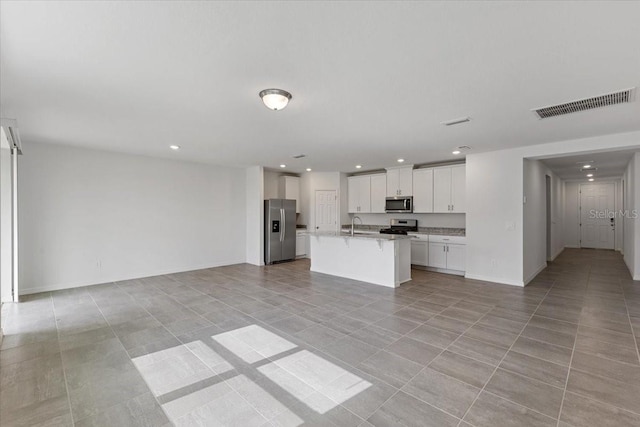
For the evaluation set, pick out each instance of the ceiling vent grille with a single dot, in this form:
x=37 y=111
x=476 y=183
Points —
x=619 y=97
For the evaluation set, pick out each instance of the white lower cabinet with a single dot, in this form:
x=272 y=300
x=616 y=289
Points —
x=420 y=252
x=456 y=257
x=449 y=256
x=437 y=255
x=301 y=245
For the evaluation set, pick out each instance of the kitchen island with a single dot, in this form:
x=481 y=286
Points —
x=381 y=259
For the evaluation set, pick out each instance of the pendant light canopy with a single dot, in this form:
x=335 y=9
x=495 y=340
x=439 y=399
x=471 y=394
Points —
x=275 y=99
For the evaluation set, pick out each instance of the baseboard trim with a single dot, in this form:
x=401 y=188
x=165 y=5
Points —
x=494 y=280
x=571 y=247
x=556 y=254
x=60 y=286
x=535 y=273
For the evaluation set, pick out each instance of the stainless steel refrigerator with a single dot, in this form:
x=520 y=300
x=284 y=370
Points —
x=280 y=230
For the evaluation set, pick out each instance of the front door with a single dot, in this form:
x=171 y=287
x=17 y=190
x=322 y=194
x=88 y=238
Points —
x=326 y=210
x=597 y=216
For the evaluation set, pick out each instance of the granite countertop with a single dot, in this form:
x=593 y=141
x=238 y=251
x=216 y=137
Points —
x=359 y=236
x=436 y=231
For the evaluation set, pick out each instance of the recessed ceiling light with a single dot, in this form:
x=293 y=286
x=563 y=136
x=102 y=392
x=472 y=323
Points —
x=589 y=175
x=591 y=179
x=400 y=160
x=308 y=169
x=283 y=166
x=456 y=152
x=174 y=147
x=275 y=99
x=358 y=166
x=586 y=166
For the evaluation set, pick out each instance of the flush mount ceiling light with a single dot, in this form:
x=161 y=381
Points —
x=174 y=147
x=283 y=166
x=400 y=160
x=275 y=99
x=358 y=166
x=589 y=175
x=591 y=180
x=308 y=169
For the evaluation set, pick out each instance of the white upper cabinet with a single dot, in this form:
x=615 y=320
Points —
x=423 y=191
x=289 y=188
x=400 y=181
x=359 y=194
x=449 y=184
x=378 y=193
x=458 y=188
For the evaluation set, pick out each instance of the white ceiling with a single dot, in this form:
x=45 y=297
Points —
x=371 y=81
x=604 y=165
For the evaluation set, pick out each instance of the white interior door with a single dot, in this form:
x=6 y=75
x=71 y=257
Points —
x=597 y=224
x=326 y=210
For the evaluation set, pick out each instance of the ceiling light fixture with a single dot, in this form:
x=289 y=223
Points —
x=586 y=167
x=283 y=166
x=456 y=152
x=591 y=180
x=400 y=160
x=308 y=169
x=275 y=99
x=589 y=175
x=358 y=166
x=174 y=147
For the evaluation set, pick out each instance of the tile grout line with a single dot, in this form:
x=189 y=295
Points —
x=215 y=374
x=635 y=340
x=64 y=370
x=126 y=351
x=399 y=389
x=505 y=355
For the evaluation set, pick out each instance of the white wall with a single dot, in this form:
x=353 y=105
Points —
x=5 y=225
x=6 y=257
x=455 y=220
x=495 y=211
x=255 y=215
x=535 y=217
x=631 y=220
x=572 y=214
x=271 y=185
x=89 y=217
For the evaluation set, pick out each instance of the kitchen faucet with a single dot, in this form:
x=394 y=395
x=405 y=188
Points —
x=353 y=220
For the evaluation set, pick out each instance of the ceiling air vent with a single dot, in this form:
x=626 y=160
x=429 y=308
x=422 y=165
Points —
x=619 y=97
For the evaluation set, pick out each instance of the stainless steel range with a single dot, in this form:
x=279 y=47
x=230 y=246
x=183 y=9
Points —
x=401 y=226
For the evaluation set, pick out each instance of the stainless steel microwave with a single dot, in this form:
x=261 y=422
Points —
x=399 y=204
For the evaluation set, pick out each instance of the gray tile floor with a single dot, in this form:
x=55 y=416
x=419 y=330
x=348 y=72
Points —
x=280 y=346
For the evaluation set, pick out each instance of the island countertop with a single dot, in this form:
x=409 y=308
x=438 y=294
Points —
x=357 y=235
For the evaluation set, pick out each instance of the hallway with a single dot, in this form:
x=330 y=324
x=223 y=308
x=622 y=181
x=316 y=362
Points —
x=278 y=345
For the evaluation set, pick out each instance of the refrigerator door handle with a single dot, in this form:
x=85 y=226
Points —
x=284 y=223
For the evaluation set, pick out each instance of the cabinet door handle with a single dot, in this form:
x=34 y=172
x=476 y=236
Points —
x=451 y=208
x=444 y=249
x=447 y=248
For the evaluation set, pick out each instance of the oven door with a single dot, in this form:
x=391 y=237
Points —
x=399 y=204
